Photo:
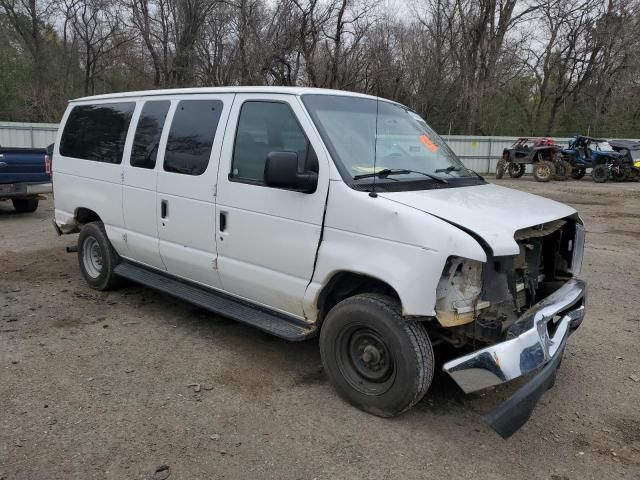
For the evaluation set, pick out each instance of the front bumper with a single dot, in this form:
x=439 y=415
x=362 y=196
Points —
x=536 y=340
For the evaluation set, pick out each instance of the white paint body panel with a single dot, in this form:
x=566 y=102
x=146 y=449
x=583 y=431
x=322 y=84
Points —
x=267 y=253
x=188 y=234
x=493 y=212
x=267 y=250
x=97 y=186
x=139 y=207
x=391 y=242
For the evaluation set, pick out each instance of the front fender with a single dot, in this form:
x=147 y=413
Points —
x=399 y=245
x=413 y=272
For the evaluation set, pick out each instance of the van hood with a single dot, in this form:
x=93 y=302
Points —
x=492 y=212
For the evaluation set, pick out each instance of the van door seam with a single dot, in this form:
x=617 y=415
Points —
x=317 y=255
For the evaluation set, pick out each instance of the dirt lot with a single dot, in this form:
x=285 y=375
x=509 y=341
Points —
x=95 y=385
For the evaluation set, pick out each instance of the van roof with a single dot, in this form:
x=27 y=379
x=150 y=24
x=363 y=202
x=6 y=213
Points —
x=205 y=90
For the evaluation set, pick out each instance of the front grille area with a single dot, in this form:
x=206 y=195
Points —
x=544 y=262
x=513 y=284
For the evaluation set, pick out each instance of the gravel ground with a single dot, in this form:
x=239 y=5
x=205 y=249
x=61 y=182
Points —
x=96 y=385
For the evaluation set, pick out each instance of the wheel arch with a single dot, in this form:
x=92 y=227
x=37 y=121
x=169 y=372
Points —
x=83 y=215
x=344 y=284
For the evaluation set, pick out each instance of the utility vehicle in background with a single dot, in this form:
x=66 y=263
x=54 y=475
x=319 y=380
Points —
x=600 y=156
x=539 y=152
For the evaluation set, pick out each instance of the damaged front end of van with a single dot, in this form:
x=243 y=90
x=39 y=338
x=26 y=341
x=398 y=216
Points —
x=521 y=308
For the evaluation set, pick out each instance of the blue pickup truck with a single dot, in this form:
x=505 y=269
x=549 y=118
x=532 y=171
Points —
x=25 y=174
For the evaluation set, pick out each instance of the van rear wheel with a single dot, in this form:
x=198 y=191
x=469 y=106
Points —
x=376 y=360
x=97 y=257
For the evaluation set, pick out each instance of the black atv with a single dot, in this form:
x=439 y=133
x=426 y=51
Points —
x=540 y=152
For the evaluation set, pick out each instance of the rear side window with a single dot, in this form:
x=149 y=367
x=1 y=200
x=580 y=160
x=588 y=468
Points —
x=148 y=132
x=191 y=136
x=97 y=132
x=265 y=127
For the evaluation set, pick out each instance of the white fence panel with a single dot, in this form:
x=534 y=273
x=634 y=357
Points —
x=37 y=135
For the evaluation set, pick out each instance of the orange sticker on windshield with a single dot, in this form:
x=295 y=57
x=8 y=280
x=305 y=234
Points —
x=428 y=143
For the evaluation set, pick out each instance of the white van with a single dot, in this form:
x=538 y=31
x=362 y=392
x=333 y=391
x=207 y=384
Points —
x=308 y=212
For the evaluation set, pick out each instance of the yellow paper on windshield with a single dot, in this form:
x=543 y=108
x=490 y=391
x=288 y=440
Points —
x=429 y=145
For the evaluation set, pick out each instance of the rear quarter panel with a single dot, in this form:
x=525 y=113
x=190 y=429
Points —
x=97 y=186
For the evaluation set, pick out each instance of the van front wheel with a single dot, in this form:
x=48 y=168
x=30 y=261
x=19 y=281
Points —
x=376 y=360
x=97 y=257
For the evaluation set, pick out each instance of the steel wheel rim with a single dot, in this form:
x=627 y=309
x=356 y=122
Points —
x=92 y=257
x=365 y=361
x=544 y=171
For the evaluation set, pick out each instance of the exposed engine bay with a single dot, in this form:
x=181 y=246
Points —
x=479 y=301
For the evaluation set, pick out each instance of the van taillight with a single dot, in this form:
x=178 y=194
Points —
x=47 y=165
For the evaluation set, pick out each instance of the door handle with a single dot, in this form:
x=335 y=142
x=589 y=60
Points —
x=223 y=221
x=164 y=209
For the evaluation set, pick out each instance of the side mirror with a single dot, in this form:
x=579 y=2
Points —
x=281 y=171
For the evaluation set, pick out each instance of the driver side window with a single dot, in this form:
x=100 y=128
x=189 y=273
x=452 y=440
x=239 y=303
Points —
x=264 y=127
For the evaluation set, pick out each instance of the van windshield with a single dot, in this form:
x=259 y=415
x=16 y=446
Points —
x=378 y=139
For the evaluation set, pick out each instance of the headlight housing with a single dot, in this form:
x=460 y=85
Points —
x=458 y=292
x=577 y=249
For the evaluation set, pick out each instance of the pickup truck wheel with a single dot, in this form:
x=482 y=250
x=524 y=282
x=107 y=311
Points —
x=97 y=257
x=25 y=205
x=376 y=360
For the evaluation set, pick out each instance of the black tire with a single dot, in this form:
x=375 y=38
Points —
x=562 y=170
x=600 y=173
x=620 y=174
x=516 y=170
x=398 y=367
x=500 y=168
x=578 y=173
x=25 y=205
x=97 y=258
x=543 y=171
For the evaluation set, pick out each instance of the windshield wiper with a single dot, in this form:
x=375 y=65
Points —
x=449 y=169
x=453 y=168
x=385 y=172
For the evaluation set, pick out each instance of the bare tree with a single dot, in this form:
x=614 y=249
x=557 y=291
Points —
x=468 y=66
x=99 y=29
x=149 y=20
x=28 y=19
x=564 y=60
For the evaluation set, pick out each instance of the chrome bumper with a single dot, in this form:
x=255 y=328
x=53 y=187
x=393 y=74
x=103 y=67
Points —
x=39 y=188
x=534 y=340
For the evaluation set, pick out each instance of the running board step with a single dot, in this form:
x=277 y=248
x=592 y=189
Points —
x=280 y=326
